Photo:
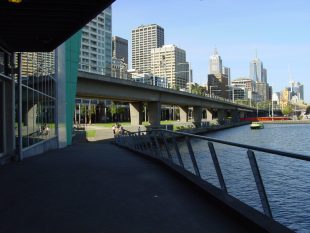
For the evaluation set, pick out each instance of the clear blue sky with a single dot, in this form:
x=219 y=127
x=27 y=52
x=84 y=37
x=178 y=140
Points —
x=278 y=29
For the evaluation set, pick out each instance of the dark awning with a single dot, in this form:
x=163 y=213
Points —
x=42 y=25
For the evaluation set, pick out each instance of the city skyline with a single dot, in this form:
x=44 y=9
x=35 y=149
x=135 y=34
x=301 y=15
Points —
x=237 y=29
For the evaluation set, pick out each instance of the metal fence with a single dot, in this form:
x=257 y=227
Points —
x=177 y=148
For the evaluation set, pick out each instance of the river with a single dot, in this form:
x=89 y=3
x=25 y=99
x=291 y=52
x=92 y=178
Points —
x=287 y=181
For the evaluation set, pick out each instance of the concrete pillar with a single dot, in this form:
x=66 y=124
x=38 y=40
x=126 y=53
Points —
x=235 y=116
x=31 y=119
x=197 y=115
x=136 y=114
x=209 y=115
x=154 y=113
x=183 y=113
x=221 y=115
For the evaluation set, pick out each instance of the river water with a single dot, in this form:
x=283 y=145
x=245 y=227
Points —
x=287 y=181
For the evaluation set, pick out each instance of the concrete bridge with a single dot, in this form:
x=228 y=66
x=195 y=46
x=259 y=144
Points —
x=103 y=87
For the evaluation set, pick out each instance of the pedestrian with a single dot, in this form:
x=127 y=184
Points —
x=113 y=129
x=121 y=129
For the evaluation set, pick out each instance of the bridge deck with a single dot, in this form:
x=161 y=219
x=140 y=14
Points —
x=99 y=187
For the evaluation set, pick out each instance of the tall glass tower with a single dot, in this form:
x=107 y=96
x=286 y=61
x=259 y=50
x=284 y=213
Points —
x=256 y=70
x=96 y=44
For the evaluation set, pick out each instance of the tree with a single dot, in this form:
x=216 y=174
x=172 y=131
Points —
x=197 y=89
x=308 y=110
x=113 y=110
x=287 y=110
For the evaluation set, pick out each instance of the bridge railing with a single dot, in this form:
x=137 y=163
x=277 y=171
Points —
x=207 y=162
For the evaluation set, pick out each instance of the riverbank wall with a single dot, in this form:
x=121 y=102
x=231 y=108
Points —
x=213 y=128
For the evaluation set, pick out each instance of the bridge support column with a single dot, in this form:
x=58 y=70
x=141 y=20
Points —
x=183 y=113
x=136 y=113
x=154 y=113
x=197 y=115
x=235 y=116
x=209 y=115
x=221 y=116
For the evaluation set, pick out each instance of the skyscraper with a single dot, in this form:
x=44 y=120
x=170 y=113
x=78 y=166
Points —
x=96 y=44
x=37 y=63
x=256 y=70
x=226 y=71
x=215 y=63
x=169 y=61
x=120 y=48
x=145 y=38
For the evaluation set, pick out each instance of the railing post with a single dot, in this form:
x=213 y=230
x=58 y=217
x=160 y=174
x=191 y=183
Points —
x=217 y=167
x=177 y=151
x=151 y=145
x=166 y=145
x=157 y=145
x=259 y=183
x=192 y=155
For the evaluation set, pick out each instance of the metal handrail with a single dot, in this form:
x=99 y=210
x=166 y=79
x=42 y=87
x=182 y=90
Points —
x=157 y=143
x=261 y=149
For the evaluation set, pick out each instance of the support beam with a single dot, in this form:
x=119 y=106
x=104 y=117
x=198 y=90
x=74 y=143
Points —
x=183 y=113
x=136 y=113
x=209 y=115
x=197 y=115
x=235 y=116
x=154 y=113
x=221 y=115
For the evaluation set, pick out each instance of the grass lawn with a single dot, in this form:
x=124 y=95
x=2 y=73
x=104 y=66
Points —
x=110 y=124
x=91 y=133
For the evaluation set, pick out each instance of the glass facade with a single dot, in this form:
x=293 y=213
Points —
x=38 y=98
x=6 y=103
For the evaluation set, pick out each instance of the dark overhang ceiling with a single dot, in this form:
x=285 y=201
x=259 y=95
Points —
x=42 y=25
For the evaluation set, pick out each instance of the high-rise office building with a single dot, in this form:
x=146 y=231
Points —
x=96 y=44
x=256 y=70
x=37 y=63
x=297 y=89
x=217 y=85
x=215 y=63
x=263 y=90
x=169 y=61
x=120 y=48
x=144 y=39
x=264 y=76
x=226 y=71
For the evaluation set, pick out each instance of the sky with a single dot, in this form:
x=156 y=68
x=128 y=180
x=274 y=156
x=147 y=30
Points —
x=279 y=30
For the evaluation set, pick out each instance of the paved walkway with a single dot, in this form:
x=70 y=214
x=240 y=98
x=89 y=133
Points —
x=103 y=133
x=99 y=187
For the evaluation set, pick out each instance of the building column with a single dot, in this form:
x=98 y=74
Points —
x=197 y=115
x=221 y=115
x=136 y=113
x=154 y=113
x=235 y=116
x=183 y=113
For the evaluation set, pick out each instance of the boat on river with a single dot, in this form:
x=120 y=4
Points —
x=257 y=125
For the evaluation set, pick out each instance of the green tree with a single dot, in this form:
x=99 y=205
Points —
x=197 y=89
x=113 y=110
x=308 y=110
x=287 y=110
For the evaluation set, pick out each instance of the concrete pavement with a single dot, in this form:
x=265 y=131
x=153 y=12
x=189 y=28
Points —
x=99 y=187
